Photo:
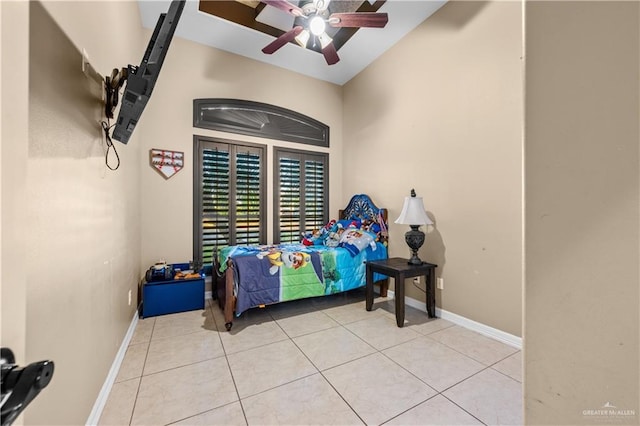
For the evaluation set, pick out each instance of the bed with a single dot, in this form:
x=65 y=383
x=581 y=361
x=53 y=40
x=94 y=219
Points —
x=329 y=261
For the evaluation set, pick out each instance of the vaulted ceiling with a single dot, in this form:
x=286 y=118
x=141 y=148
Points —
x=244 y=27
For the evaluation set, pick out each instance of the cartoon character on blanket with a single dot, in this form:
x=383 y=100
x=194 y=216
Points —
x=288 y=259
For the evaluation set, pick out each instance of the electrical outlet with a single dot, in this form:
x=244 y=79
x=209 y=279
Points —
x=129 y=297
x=416 y=280
x=440 y=283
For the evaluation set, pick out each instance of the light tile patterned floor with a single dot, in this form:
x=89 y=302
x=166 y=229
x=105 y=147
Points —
x=315 y=361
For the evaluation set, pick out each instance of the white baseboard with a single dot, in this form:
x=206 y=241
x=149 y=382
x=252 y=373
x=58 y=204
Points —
x=483 y=329
x=98 y=406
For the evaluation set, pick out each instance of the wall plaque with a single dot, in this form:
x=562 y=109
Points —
x=166 y=162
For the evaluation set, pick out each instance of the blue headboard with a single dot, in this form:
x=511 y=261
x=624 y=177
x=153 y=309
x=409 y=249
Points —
x=361 y=207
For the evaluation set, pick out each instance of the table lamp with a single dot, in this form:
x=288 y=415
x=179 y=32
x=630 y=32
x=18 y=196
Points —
x=414 y=214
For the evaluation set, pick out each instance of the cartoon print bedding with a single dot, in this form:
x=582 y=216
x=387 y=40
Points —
x=265 y=275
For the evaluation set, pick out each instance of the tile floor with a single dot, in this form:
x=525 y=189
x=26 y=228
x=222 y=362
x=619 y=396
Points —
x=315 y=361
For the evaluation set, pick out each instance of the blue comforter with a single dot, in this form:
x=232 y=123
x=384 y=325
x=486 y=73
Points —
x=270 y=274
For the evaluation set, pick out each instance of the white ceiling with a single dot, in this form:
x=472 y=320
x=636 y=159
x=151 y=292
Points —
x=362 y=49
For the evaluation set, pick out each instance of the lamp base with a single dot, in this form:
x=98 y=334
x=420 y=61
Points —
x=414 y=239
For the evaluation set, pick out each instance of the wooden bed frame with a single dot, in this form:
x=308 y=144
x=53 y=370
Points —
x=360 y=206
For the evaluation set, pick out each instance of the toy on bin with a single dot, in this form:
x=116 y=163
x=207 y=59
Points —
x=159 y=272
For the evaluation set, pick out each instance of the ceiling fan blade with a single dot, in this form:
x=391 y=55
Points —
x=282 y=40
x=330 y=54
x=285 y=6
x=359 y=19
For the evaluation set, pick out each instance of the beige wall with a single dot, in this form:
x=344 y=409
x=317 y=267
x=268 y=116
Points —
x=582 y=197
x=73 y=225
x=14 y=33
x=441 y=112
x=194 y=71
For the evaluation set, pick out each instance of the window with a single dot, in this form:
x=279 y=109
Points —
x=300 y=193
x=229 y=208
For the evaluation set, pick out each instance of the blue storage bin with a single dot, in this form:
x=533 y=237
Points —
x=171 y=296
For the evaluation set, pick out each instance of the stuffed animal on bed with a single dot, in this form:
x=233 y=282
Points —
x=334 y=235
x=319 y=236
x=371 y=226
x=307 y=238
x=355 y=240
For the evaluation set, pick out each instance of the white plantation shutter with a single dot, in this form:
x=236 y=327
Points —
x=301 y=194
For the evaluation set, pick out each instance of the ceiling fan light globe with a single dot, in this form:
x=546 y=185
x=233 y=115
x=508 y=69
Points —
x=317 y=25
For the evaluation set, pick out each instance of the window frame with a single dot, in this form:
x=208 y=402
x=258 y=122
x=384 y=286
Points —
x=259 y=119
x=200 y=143
x=305 y=155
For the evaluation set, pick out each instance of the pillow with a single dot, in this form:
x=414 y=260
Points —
x=356 y=240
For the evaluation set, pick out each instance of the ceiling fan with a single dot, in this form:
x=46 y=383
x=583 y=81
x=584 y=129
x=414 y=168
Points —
x=316 y=16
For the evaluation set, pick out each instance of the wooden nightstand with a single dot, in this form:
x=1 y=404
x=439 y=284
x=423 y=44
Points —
x=399 y=269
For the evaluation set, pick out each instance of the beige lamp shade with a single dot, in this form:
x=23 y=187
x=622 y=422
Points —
x=413 y=212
